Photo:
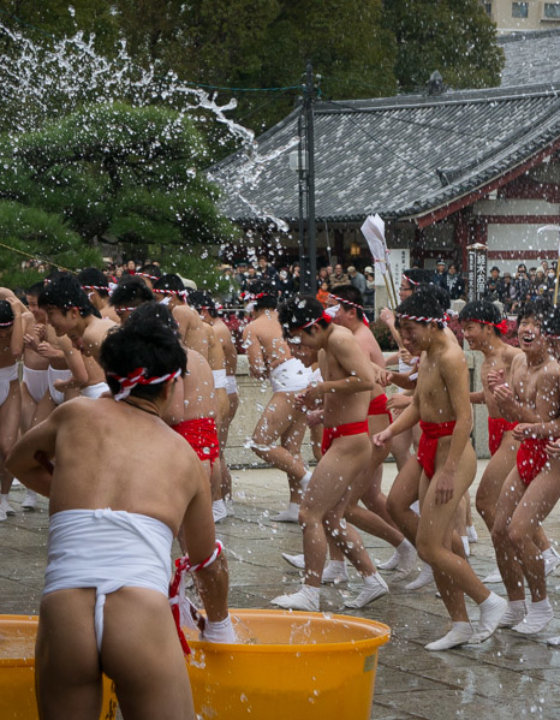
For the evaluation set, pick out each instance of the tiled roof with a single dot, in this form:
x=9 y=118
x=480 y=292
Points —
x=400 y=156
x=531 y=57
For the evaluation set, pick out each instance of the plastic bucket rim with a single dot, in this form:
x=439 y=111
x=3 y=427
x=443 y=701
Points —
x=373 y=643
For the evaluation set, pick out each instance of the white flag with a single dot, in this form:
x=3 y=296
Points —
x=373 y=230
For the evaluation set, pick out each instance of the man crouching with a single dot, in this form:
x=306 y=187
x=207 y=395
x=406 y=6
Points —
x=122 y=486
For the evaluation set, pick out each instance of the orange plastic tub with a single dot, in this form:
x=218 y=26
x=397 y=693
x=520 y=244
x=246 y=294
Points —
x=288 y=666
x=17 y=671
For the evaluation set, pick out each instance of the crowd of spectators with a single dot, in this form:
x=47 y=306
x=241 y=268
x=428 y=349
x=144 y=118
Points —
x=512 y=290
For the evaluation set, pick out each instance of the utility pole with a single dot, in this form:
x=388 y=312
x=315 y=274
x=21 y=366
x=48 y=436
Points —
x=310 y=270
x=302 y=191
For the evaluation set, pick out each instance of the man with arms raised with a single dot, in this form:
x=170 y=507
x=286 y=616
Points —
x=115 y=507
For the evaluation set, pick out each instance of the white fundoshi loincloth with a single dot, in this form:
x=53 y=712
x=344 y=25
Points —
x=107 y=550
x=290 y=376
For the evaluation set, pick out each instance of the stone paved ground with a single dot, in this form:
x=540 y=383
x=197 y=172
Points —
x=504 y=679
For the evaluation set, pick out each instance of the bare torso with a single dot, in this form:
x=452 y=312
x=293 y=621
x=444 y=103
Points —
x=191 y=330
x=151 y=478
x=196 y=398
x=266 y=347
x=31 y=358
x=216 y=356
x=222 y=333
x=433 y=395
x=341 y=408
x=536 y=387
x=496 y=362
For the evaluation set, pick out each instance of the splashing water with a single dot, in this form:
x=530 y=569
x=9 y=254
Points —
x=41 y=83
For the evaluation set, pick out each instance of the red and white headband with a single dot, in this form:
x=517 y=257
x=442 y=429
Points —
x=352 y=304
x=179 y=293
x=501 y=326
x=424 y=319
x=139 y=377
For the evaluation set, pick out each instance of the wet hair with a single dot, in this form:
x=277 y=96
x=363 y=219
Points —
x=551 y=324
x=441 y=294
x=64 y=291
x=538 y=308
x=153 y=272
x=93 y=277
x=170 y=282
x=199 y=299
x=131 y=289
x=353 y=296
x=35 y=290
x=6 y=313
x=421 y=304
x=482 y=311
x=144 y=341
x=154 y=310
x=416 y=277
x=268 y=295
x=298 y=311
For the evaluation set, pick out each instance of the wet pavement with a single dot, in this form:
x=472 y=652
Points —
x=507 y=677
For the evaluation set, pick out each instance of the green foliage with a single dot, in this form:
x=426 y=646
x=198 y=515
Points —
x=27 y=231
x=455 y=37
x=115 y=172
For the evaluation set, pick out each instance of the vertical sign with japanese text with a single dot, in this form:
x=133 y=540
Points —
x=478 y=266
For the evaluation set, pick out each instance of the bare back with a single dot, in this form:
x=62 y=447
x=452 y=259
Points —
x=155 y=477
x=191 y=330
x=216 y=356
x=196 y=398
x=265 y=344
x=223 y=335
x=372 y=351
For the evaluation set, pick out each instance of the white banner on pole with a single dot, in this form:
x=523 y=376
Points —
x=399 y=260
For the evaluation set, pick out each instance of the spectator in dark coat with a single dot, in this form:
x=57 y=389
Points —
x=454 y=283
x=439 y=278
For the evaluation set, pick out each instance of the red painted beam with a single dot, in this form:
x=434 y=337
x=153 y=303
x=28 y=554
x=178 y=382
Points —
x=439 y=214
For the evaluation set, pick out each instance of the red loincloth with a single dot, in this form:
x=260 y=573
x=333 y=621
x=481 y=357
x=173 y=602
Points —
x=497 y=428
x=331 y=433
x=531 y=458
x=427 y=447
x=378 y=406
x=202 y=436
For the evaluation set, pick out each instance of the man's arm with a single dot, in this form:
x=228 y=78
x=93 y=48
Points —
x=350 y=357
x=409 y=417
x=75 y=363
x=16 y=340
x=257 y=366
x=28 y=459
x=200 y=537
x=455 y=374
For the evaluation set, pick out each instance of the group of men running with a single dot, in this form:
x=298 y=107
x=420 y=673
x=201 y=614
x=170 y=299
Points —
x=426 y=510
x=122 y=353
